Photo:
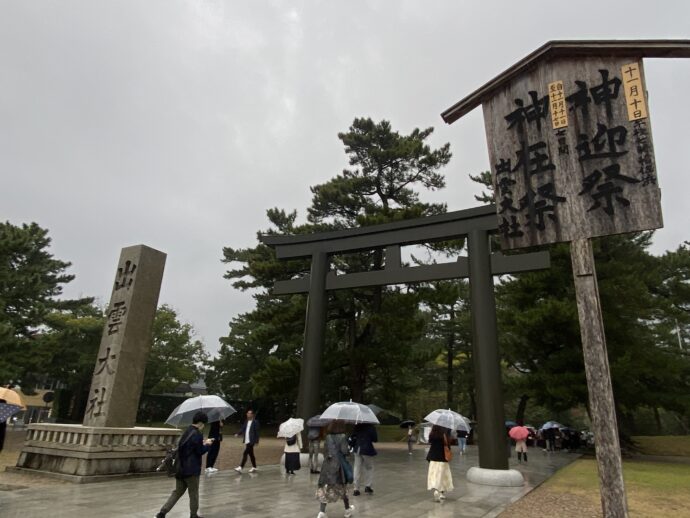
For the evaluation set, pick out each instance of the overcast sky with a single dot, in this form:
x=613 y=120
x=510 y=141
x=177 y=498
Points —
x=176 y=124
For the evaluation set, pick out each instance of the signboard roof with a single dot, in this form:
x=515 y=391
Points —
x=572 y=48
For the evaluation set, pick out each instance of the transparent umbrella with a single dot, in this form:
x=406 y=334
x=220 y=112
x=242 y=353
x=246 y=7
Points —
x=551 y=424
x=291 y=427
x=350 y=412
x=448 y=419
x=215 y=408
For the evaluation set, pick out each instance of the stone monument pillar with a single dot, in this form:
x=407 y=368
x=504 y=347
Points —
x=108 y=445
x=119 y=372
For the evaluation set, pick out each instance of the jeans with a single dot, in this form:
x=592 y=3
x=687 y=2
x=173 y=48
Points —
x=182 y=485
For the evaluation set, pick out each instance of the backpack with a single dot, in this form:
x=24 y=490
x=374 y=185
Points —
x=292 y=440
x=171 y=462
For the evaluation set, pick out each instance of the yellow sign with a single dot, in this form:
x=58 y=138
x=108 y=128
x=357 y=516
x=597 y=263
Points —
x=634 y=91
x=559 y=113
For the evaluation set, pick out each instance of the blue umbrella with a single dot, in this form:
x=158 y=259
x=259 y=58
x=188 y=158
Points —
x=7 y=410
x=511 y=424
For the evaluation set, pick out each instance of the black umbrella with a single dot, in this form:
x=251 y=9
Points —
x=316 y=420
x=407 y=423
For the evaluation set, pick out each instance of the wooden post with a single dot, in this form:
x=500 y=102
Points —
x=610 y=467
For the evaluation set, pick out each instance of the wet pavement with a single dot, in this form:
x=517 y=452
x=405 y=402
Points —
x=399 y=492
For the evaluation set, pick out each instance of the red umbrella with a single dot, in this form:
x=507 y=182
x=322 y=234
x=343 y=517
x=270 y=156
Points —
x=518 y=433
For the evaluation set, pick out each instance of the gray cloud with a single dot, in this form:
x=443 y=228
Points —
x=177 y=124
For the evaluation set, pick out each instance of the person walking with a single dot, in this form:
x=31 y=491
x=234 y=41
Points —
x=191 y=448
x=410 y=439
x=439 y=478
x=332 y=485
x=250 y=432
x=462 y=441
x=292 y=450
x=364 y=437
x=215 y=432
x=314 y=435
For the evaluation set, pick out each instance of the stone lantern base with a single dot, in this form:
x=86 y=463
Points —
x=91 y=454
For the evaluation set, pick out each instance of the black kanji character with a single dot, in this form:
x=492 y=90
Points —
x=531 y=113
x=607 y=190
x=606 y=91
x=510 y=228
x=605 y=142
x=535 y=160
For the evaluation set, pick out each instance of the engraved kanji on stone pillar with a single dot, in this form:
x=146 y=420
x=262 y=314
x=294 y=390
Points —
x=119 y=372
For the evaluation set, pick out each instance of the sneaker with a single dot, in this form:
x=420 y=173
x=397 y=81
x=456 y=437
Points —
x=321 y=515
x=368 y=490
x=238 y=469
x=437 y=496
x=350 y=510
x=253 y=470
x=356 y=492
x=442 y=496
x=160 y=515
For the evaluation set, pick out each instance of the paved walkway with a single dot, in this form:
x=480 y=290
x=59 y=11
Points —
x=399 y=492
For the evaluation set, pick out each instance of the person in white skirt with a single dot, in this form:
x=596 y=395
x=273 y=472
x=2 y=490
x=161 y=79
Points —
x=439 y=479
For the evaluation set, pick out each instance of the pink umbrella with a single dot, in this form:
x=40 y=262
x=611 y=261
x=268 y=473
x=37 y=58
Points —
x=518 y=433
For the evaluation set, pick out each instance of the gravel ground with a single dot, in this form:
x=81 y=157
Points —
x=545 y=502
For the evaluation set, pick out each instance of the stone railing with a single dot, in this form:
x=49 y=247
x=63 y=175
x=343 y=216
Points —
x=93 y=439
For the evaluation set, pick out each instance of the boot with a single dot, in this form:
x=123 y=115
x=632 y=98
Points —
x=519 y=456
x=525 y=456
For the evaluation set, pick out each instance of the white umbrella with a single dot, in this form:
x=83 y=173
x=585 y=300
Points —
x=213 y=406
x=291 y=427
x=448 y=419
x=551 y=424
x=350 y=412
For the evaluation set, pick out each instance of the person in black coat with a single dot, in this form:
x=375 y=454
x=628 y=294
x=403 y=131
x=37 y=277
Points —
x=250 y=434
x=191 y=448
x=364 y=435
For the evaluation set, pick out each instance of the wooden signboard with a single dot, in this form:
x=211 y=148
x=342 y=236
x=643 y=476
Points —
x=571 y=152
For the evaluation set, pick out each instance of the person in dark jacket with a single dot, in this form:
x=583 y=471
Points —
x=191 y=448
x=439 y=478
x=250 y=434
x=364 y=436
x=215 y=432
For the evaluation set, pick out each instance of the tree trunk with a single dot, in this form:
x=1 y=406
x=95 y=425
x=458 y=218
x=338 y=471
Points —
x=520 y=414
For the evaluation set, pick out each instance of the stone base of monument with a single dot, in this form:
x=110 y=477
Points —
x=495 y=477
x=91 y=454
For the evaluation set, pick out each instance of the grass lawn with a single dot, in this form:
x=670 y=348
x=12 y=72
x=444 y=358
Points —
x=664 y=445
x=653 y=489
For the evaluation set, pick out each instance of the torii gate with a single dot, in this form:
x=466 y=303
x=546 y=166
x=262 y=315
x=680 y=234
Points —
x=476 y=224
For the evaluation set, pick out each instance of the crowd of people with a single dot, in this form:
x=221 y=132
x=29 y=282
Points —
x=348 y=458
